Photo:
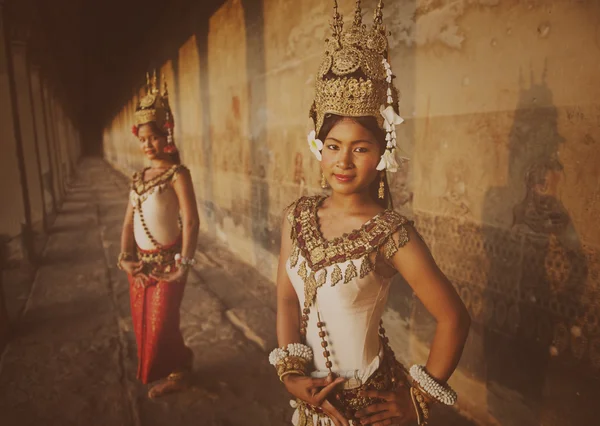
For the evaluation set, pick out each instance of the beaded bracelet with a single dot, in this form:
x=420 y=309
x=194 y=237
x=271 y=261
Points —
x=438 y=391
x=184 y=261
x=291 y=360
x=293 y=349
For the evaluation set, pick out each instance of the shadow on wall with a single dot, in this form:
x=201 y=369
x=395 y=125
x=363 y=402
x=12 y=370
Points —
x=534 y=305
x=533 y=354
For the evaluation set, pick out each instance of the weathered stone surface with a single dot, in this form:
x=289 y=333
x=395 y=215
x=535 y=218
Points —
x=502 y=133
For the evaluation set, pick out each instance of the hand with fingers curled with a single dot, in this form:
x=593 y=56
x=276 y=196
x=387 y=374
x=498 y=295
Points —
x=393 y=408
x=174 y=276
x=314 y=391
x=136 y=270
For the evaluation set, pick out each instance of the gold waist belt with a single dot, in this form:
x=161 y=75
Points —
x=159 y=260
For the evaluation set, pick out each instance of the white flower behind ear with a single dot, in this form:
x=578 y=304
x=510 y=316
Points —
x=391 y=119
x=388 y=162
x=315 y=144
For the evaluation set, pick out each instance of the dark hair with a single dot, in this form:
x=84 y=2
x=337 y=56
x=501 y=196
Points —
x=174 y=157
x=369 y=123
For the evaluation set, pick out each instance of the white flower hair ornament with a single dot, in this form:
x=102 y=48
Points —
x=315 y=144
x=390 y=121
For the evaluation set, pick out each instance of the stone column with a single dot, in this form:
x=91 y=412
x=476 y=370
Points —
x=46 y=148
x=42 y=141
x=15 y=217
x=11 y=196
x=27 y=124
x=53 y=143
x=71 y=145
x=61 y=139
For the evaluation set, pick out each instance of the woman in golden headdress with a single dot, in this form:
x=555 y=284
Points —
x=158 y=243
x=339 y=253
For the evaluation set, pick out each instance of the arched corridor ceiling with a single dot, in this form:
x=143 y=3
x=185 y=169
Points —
x=91 y=48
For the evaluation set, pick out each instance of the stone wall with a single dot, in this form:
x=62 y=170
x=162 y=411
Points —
x=501 y=102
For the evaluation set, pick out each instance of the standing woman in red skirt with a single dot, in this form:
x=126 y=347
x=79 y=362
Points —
x=158 y=242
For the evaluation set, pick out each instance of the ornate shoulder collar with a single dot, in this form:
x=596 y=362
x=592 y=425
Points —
x=321 y=253
x=140 y=187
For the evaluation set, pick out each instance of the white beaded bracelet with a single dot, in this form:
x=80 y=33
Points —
x=184 y=261
x=441 y=392
x=293 y=349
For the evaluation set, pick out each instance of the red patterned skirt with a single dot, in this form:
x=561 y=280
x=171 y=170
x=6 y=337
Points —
x=155 y=312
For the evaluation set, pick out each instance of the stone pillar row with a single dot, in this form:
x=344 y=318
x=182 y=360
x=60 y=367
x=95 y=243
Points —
x=37 y=141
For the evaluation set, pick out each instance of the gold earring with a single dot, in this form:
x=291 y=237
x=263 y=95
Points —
x=382 y=186
x=324 y=183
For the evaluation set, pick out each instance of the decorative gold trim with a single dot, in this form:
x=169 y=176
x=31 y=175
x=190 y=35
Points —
x=153 y=106
x=294 y=255
x=336 y=275
x=302 y=272
x=350 y=273
x=365 y=267
x=351 y=78
x=319 y=253
x=143 y=189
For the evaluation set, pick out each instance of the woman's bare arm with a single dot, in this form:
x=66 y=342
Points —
x=415 y=262
x=288 y=306
x=184 y=189
x=127 y=238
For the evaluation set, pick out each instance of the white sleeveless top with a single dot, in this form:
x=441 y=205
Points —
x=336 y=280
x=351 y=312
x=159 y=206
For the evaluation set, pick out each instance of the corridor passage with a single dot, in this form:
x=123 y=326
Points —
x=72 y=360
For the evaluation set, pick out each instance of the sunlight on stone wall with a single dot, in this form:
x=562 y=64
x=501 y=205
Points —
x=501 y=102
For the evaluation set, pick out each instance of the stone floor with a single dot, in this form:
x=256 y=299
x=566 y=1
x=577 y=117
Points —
x=72 y=359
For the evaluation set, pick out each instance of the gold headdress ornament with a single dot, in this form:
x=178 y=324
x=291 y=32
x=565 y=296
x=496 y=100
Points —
x=355 y=79
x=154 y=108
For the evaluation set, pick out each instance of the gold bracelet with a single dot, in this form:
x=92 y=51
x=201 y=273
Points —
x=420 y=405
x=123 y=256
x=291 y=363
x=288 y=372
x=428 y=398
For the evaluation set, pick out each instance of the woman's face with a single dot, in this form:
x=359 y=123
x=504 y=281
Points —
x=350 y=156
x=151 y=142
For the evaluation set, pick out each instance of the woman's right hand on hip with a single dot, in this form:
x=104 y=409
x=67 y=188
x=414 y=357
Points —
x=314 y=391
x=135 y=269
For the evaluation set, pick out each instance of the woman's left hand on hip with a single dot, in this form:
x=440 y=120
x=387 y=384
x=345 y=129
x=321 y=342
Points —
x=171 y=277
x=396 y=408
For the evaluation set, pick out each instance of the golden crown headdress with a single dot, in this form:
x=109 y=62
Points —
x=154 y=108
x=355 y=78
